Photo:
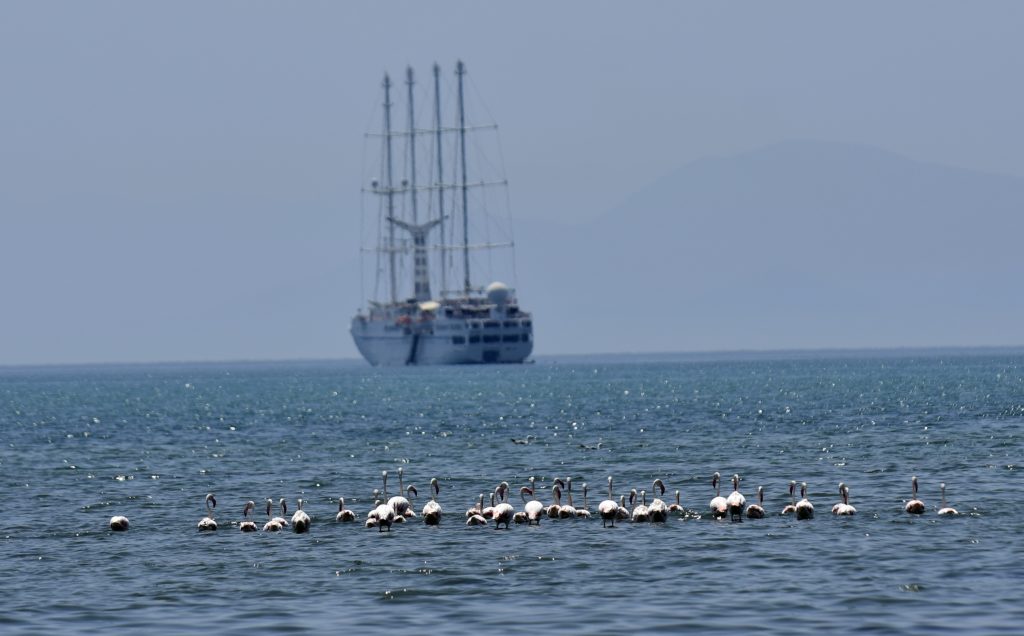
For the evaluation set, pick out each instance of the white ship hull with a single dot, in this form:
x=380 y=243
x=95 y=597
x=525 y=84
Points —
x=443 y=341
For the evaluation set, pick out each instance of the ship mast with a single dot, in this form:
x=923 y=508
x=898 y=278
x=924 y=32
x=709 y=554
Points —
x=460 y=70
x=390 y=190
x=412 y=145
x=440 y=175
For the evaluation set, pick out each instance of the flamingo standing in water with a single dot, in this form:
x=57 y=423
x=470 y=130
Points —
x=790 y=508
x=676 y=507
x=945 y=510
x=623 y=512
x=756 y=511
x=736 y=500
x=556 y=501
x=533 y=508
x=344 y=514
x=608 y=509
x=844 y=508
x=432 y=510
x=719 y=507
x=915 y=506
x=119 y=523
x=207 y=524
x=247 y=524
x=300 y=520
x=503 y=512
x=584 y=512
x=804 y=508
x=658 y=510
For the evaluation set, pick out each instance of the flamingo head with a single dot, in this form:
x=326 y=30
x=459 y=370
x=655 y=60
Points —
x=735 y=482
x=677 y=496
x=436 y=486
x=658 y=485
x=792 y=487
x=632 y=497
x=411 y=490
x=298 y=504
x=714 y=480
x=558 y=482
x=913 y=484
x=584 y=490
x=643 y=496
x=270 y=503
x=249 y=507
x=341 y=504
x=803 y=490
x=568 y=484
x=211 y=501
x=760 y=494
x=284 y=507
x=525 y=490
x=841 y=487
x=846 y=494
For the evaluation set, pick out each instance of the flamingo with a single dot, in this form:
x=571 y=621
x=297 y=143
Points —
x=344 y=514
x=567 y=511
x=915 y=506
x=676 y=507
x=503 y=512
x=584 y=512
x=658 y=510
x=944 y=510
x=247 y=524
x=476 y=509
x=804 y=509
x=400 y=504
x=432 y=509
x=718 y=505
x=488 y=512
x=477 y=519
x=556 y=501
x=844 y=508
x=119 y=523
x=756 y=511
x=791 y=506
x=736 y=500
x=207 y=524
x=608 y=509
x=283 y=520
x=640 y=512
x=385 y=516
x=623 y=512
x=300 y=520
x=272 y=524
x=533 y=509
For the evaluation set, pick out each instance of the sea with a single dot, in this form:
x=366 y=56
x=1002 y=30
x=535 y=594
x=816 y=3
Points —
x=83 y=443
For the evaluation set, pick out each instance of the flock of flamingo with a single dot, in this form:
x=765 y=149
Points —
x=388 y=511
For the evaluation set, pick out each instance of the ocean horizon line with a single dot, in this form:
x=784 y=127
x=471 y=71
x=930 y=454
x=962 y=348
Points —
x=557 y=358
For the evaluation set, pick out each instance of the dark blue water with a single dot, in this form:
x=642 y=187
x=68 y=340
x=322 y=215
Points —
x=82 y=444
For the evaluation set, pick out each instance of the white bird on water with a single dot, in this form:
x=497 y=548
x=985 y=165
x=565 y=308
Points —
x=272 y=524
x=718 y=505
x=945 y=510
x=915 y=506
x=658 y=510
x=534 y=508
x=503 y=512
x=300 y=520
x=432 y=510
x=247 y=524
x=790 y=508
x=843 y=507
x=756 y=511
x=477 y=519
x=207 y=524
x=804 y=508
x=736 y=501
x=344 y=514
x=119 y=523
x=676 y=507
x=640 y=513
x=584 y=512
x=608 y=509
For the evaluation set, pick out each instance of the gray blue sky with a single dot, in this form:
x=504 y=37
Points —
x=180 y=181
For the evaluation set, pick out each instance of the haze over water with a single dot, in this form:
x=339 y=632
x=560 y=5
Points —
x=84 y=443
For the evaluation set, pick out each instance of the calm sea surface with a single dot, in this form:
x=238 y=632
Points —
x=82 y=444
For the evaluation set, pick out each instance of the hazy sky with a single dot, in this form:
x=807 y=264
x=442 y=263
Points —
x=180 y=181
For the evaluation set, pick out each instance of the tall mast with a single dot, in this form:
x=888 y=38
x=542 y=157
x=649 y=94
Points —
x=460 y=70
x=412 y=145
x=440 y=175
x=390 y=188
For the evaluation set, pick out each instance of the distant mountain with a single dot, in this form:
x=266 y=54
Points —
x=796 y=245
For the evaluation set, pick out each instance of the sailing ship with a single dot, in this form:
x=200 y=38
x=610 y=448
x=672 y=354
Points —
x=470 y=324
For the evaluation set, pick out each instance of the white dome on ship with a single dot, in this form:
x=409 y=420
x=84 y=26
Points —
x=498 y=293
